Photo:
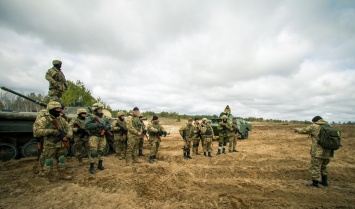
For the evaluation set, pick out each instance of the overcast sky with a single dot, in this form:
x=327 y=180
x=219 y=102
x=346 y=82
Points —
x=272 y=59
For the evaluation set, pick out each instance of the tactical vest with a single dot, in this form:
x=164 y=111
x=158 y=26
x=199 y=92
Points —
x=50 y=125
x=137 y=124
x=156 y=126
x=189 y=131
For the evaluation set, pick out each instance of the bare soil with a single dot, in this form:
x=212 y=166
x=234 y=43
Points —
x=269 y=171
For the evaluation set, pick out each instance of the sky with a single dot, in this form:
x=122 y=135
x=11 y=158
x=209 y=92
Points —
x=287 y=59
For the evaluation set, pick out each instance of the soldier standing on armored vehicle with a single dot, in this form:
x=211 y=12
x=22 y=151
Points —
x=80 y=135
x=141 y=138
x=197 y=136
x=227 y=110
x=97 y=125
x=187 y=133
x=156 y=131
x=223 y=127
x=120 y=133
x=54 y=129
x=207 y=136
x=57 y=82
x=135 y=130
x=233 y=135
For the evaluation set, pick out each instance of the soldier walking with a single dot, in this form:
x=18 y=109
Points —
x=233 y=136
x=156 y=131
x=80 y=135
x=141 y=138
x=55 y=131
x=223 y=127
x=187 y=133
x=57 y=82
x=120 y=135
x=207 y=136
x=97 y=125
x=135 y=130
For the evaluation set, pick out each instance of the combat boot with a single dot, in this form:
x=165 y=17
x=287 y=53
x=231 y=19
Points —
x=235 y=150
x=92 y=169
x=209 y=154
x=204 y=153
x=64 y=176
x=313 y=184
x=224 y=151
x=188 y=154
x=185 y=154
x=197 y=151
x=219 y=151
x=151 y=160
x=140 y=152
x=100 y=166
x=324 y=181
x=230 y=150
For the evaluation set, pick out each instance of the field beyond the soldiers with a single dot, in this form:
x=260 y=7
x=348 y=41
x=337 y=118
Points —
x=269 y=171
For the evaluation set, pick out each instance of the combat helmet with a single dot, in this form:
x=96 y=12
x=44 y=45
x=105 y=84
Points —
x=204 y=119
x=96 y=106
x=119 y=114
x=52 y=105
x=57 y=62
x=224 y=117
x=80 y=111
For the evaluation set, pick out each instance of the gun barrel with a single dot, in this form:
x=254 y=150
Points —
x=23 y=96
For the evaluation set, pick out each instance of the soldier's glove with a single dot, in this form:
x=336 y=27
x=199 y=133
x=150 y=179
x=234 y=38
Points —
x=100 y=126
x=61 y=134
x=164 y=133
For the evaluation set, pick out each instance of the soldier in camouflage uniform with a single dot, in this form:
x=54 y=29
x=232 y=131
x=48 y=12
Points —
x=227 y=110
x=207 y=136
x=97 y=125
x=57 y=82
x=39 y=139
x=120 y=133
x=197 y=136
x=141 y=138
x=54 y=140
x=135 y=130
x=319 y=157
x=233 y=136
x=187 y=133
x=223 y=127
x=80 y=135
x=155 y=131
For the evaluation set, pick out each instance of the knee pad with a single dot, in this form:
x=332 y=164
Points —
x=93 y=153
x=48 y=162
x=61 y=159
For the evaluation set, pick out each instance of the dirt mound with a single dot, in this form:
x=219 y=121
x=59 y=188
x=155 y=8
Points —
x=270 y=170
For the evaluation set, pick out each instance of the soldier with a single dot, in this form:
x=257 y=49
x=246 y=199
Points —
x=207 y=136
x=135 y=130
x=223 y=127
x=141 y=138
x=40 y=142
x=187 y=133
x=55 y=132
x=227 y=110
x=120 y=135
x=57 y=82
x=81 y=136
x=319 y=157
x=197 y=136
x=233 y=135
x=97 y=125
x=155 y=131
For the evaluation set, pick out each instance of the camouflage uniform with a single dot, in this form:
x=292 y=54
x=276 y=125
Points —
x=233 y=137
x=134 y=126
x=120 y=133
x=319 y=157
x=187 y=132
x=197 y=137
x=57 y=82
x=207 y=136
x=52 y=148
x=141 y=139
x=227 y=110
x=80 y=135
x=39 y=139
x=97 y=139
x=223 y=127
x=153 y=129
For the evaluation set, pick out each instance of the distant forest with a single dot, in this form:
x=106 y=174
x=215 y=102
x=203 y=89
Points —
x=11 y=102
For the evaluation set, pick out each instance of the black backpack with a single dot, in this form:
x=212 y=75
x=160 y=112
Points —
x=329 y=137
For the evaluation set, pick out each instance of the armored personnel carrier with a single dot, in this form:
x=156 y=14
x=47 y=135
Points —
x=243 y=125
x=16 y=133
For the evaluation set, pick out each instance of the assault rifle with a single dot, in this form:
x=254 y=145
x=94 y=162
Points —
x=161 y=133
x=122 y=130
x=62 y=136
x=236 y=130
x=103 y=130
x=81 y=131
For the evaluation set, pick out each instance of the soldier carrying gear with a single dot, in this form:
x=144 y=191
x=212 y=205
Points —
x=207 y=136
x=55 y=130
x=223 y=127
x=187 y=133
x=80 y=135
x=97 y=125
x=135 y=130
x=233 y=136
x=227 y=110
x=155 y=132
x=197 y=136
x=57 y=82
x=120 y=135
x=141 y=138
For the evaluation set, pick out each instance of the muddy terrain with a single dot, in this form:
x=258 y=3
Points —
x=269 y=171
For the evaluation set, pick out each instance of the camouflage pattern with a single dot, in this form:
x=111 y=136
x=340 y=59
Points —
x=120 y=137
x=207 y=136
x=188 y=131
x=233 y=137
x=196 y=137
x=43 y=127
x=80 y=140
x=223 y=134
x=154 y=139
x=57 y=83
x=320 y=157
x=141 y=138
x=134 y=126
x=97 y=142
x=227 y=110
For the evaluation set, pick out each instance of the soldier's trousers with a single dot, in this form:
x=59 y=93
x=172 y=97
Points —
x=55 y=95
x=132 y=148
x=97 y=145
x=232 y=142
x=196 y=142
x=154 y=143
x=207 y=146
x=140 y=143
x=52 y=151
x=81 y=147
x=222 y=142
x=188 y=142
x=318 y=168
x=121 y=145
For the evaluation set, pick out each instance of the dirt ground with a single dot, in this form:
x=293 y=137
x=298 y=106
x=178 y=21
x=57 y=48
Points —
x=269 y=171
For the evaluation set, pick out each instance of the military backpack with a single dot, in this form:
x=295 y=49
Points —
x=329 y=137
